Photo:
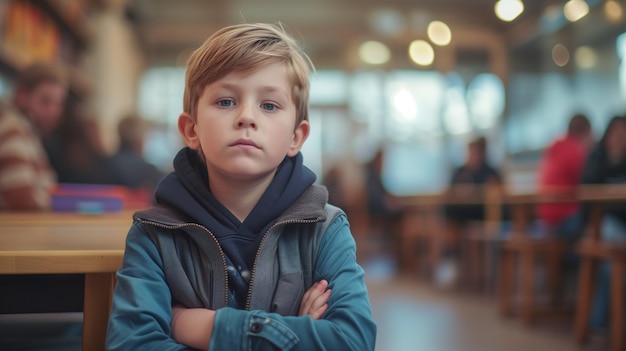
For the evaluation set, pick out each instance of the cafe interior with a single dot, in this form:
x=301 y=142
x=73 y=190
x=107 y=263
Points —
x=401 y=93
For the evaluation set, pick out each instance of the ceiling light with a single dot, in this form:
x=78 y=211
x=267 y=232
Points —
x=560 y=55
x=508 y=10
x=613 y=11
x=421 y=52
x=575 y=10
x=374 y=52
x=439 y=33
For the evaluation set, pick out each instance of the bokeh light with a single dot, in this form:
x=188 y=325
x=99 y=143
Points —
x=374 y=52
x=574 y=10
x=508 y=10
x=585 y=57
x=613 y=11
x=560 y=55
x=421 y=53
x=439 y=33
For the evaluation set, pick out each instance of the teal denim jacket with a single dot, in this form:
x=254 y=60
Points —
x=141 y=312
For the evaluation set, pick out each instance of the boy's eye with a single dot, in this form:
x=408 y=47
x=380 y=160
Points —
x=268 y=106
x=225 y=103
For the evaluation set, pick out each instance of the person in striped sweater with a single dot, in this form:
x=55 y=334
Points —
x=26 y=178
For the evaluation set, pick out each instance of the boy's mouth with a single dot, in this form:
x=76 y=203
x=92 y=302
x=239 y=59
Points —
x=245 y=142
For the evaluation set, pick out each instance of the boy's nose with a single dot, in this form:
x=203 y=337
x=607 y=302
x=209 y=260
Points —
x=246 y=118
x=246 y=124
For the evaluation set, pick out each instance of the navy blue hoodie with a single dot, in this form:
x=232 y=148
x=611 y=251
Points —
x=187 y=190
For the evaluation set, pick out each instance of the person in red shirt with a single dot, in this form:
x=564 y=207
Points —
x=560 y=170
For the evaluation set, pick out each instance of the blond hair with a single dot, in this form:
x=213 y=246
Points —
x=246 y=47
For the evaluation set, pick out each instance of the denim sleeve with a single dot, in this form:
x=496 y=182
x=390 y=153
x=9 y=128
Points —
x=346 y=325
x=142 y=308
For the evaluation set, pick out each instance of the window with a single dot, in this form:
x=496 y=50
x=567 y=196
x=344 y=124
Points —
x=161 y=101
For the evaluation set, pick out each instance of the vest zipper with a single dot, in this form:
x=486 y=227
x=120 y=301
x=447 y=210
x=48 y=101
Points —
x=221 y=252
x=258 y=252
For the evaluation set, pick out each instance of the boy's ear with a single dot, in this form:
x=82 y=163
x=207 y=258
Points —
x=299 y=136
x=187 y=128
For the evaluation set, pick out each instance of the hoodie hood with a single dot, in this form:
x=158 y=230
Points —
x=187 y=190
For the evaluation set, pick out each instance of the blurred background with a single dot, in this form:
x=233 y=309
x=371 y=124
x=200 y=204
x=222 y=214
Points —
x=419 y=78
x=415 y=79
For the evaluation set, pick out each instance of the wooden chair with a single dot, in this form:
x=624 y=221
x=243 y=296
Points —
x=373 y=233
x=420 y=225
x=478 y=238
x=473 y=242
x=527 y=251
x=479 y=246
x=424 y=227
x=521 y=251
x=593 y=251
x=480 y=241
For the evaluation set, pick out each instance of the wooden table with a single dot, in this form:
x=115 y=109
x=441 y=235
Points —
x=422 y=210
x=65 y=243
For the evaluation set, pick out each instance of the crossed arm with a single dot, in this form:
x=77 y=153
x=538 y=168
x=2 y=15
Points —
x=193 y=326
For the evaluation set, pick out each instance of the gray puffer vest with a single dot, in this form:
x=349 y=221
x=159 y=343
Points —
x=195 y=266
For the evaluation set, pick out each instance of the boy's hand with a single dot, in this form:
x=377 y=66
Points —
x=315 y=300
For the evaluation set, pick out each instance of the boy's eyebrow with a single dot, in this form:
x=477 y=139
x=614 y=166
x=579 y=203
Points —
x=279 y=90
x=264 y=89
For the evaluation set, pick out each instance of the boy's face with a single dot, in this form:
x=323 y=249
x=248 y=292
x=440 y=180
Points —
x=245 y=124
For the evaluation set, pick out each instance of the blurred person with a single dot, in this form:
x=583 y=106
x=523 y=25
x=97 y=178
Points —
x=241 y=250
x=27 y=180
x=475 y=172
x=75 y=149
x=606 y=164
x=560 y=170
x=132 y=169
x=384 y=212
x=379 y=202
x=26 y=177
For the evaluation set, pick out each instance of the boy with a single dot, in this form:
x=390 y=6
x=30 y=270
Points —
x=241 y=249
x=26 y=178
